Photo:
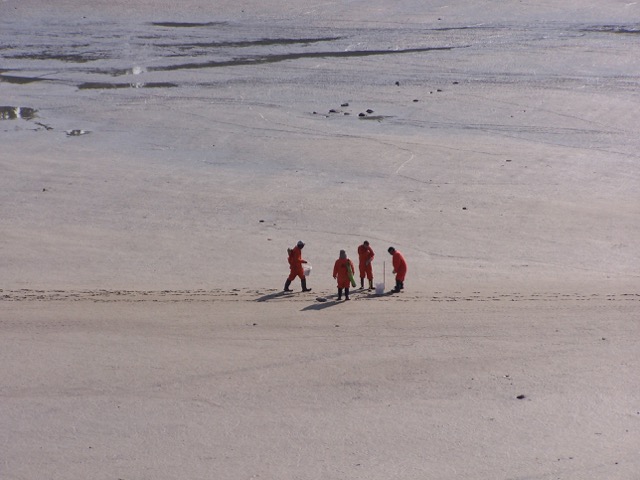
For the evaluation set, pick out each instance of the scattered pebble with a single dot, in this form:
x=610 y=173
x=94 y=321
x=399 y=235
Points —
x=345 y=104
x=521 y=397
x=369 y=110
x=76 y=133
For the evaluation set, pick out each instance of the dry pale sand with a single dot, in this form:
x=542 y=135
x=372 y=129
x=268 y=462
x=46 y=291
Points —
x=177 y=150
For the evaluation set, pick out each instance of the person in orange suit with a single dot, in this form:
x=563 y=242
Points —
x=399 y=268
x=341 y=274
x=365 y=257
x=295 y=265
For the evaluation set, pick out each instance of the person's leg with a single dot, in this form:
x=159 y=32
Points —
x=339 y=294
x=346 y=294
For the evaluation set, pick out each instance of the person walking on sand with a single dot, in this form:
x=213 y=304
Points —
x=365 y=258
x=399 y=268
x=295 y=265
x=341 y=274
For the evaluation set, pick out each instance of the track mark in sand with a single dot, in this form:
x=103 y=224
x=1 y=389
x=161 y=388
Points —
x=238 y=295
x=404 y=163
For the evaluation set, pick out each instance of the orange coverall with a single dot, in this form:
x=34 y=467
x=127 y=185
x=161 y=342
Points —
x=340 y=272
x=295 y=264
x=365 y=253
x=399 y=266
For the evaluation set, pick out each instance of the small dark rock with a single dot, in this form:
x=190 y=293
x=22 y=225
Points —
x=521 y=397
x=261 y=221
x=397 y=84
x=438 y=90
x=464 y=208
x=333 y=110
x=369 y=110
x=345 y=104
x=455 y=83
x=362 y=114
x=415 y=100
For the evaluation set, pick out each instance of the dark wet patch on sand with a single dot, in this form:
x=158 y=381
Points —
x=619 y=29
x=19 y=79
x=187 y=24
x=68 y=57
x=265 y=42
x=105 y=85
x=294 y=56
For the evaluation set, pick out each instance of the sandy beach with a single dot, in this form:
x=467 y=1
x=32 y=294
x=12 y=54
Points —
x=158 y=159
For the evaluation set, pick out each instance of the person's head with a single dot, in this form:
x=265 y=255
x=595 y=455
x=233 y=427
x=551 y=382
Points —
x=391 y=250
x=300 y=244
x=366 y=243
x=343 y=254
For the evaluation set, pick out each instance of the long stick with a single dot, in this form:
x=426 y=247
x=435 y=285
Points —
x=384 y=273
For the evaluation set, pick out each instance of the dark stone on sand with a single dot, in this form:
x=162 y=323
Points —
x=362 y=114
x=415 y=100
x=369 y=110
x=438 y=90
x=345 y=104
x=521 y=397
x=397 y=84
x=464 y=208
x=333 y=110
x=455 y=83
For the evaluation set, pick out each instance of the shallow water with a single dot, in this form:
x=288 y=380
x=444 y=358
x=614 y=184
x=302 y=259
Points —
x=157 y=54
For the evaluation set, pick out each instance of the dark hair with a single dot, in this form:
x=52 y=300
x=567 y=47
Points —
x=391 y=250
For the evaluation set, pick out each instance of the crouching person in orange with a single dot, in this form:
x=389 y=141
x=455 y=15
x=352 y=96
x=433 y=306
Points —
x=399 y=268
x=295 y=265
x=365 y=257
x=341 y=274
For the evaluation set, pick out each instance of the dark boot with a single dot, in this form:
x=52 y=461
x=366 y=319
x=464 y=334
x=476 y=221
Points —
x=401 y=285
x=370 y=284
x=397 y=289
x=362 y=283
x=287 y=284
x=339 y=294
x=346 y=294
x=304 y=285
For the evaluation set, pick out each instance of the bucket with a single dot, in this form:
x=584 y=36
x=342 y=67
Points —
x=379 y=288
x=307 y=270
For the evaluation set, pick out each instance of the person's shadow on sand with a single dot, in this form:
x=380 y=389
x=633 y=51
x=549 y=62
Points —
x=271 y=296
x=321 y=306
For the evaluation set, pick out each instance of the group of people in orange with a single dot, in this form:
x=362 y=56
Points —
x=344 y=270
